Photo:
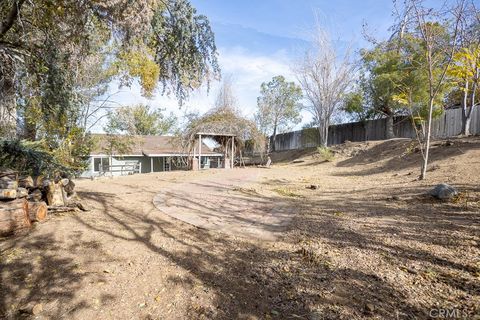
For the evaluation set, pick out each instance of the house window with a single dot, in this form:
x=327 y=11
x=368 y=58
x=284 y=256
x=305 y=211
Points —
x=101 y=164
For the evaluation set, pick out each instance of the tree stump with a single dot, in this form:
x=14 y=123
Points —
x=8 y=194
x=14 y=216
x=37 y=211
x=22 y=193
x=54 y=193
x=8 y=181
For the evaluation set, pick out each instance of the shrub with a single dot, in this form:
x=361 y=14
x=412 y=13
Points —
x=325 y=153
x=30 y=158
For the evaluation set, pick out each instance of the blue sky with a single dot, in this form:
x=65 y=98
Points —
x=260 y=39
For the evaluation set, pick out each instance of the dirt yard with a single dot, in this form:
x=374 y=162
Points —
x=367 y=243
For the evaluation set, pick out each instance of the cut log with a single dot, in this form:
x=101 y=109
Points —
x=22 y=193
x=54 y=193
x=64 y=181
x=14 y=216
x=37 y=211
x=58 y=196
x=25 y=182
x=43 y=182
x=49 y=189
x=8 y=175
x=69 y=188
x=35 y=195
x=8 y=194
x=8 y=184
x=69 y=199
x=38 y=181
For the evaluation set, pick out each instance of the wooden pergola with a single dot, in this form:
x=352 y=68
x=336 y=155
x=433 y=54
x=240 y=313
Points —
x=230 y=143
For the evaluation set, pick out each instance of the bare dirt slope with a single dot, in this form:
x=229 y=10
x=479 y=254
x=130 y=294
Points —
x=365 y=244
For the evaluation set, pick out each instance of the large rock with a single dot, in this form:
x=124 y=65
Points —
x=444 y=191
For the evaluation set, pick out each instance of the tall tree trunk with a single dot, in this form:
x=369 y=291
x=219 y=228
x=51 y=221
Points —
x=8 y=110
x=365 y=131
x=389 y=133
x=423 y=173
x=7 y=106
x=323 y=131
x=466 y=121
x=325 y=142
x=29 y=126
x=274 y=137
x=466 y=116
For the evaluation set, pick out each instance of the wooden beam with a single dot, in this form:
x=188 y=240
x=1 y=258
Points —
x=212 y=134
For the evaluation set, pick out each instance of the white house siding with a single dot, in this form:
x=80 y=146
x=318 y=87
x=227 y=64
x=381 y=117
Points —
x=144 y=161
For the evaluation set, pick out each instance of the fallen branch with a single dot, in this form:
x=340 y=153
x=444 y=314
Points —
x=56 y=209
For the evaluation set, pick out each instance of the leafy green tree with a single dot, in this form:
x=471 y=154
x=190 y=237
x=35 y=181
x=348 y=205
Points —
x=393 y=82
x=155 y=41
x=438 y=34
x=140 y=120
x=30 y=158
x=354 y=105
x=464 y=73
x=385 y=69
x=278 y=106
x=64 y=53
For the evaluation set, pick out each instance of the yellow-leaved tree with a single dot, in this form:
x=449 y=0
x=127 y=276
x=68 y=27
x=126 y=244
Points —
x=465 y=73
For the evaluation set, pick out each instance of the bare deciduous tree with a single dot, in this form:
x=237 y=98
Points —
x=226 y=96
x=325 y=77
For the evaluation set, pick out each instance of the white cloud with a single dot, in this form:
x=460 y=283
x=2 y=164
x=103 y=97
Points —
x=248 y=71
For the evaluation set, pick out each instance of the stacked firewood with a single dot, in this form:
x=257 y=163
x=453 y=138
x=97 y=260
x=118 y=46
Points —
x=25 y=200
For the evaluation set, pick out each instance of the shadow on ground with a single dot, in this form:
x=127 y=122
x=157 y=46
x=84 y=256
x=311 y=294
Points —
x=402 y=155
x=253 y=279
x=32 y=273
x=308 y=275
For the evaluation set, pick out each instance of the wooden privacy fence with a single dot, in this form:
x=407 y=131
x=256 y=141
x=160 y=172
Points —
x=449 y=124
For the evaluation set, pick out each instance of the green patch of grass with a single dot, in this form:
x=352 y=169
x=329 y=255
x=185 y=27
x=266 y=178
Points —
x=338 y=214
x=11 y=254
x=247 y=191
x=287 y=193
x=325 y=154
x=430 y=274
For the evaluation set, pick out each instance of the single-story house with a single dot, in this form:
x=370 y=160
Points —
x=146 y=154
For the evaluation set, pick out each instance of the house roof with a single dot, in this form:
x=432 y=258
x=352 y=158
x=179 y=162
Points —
x=146 y=145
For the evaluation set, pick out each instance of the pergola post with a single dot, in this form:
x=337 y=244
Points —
x=151 y=164
x=199 y=152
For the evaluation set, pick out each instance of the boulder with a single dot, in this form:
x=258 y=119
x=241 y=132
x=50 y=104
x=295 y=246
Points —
x=443 y=191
